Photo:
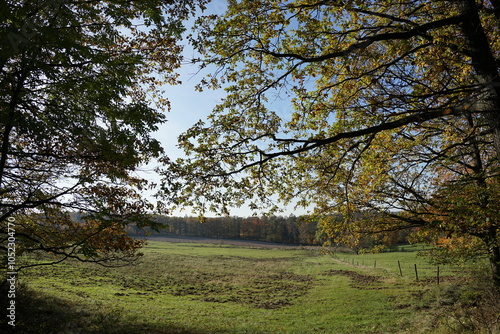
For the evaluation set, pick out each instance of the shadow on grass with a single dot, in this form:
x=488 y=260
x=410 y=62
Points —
x=36 y=313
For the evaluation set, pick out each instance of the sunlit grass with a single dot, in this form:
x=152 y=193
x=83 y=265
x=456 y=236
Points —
x=407 y=258
x=198 y=288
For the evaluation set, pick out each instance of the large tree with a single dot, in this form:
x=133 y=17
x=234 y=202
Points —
x=387 y=112
x=80 y=95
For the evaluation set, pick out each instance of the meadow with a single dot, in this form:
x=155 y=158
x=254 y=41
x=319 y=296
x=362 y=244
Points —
x=207 y=288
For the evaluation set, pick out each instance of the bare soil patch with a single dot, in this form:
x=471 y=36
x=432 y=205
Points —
x=359 y=281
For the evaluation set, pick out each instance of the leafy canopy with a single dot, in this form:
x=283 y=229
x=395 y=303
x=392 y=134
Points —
x=80 y=94
x=379 y=107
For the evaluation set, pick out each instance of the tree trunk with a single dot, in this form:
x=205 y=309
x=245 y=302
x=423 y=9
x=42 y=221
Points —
x=484 y=65
x=488 y=99
x=495 y=264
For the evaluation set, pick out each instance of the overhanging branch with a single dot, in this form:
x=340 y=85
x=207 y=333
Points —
x=308 y=145
x=367 y=41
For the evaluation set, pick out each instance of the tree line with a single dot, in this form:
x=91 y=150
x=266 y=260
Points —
x=286 y=230
x=279 y=229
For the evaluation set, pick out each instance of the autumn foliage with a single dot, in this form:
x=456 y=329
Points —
x=81 y=91
x=375 y=107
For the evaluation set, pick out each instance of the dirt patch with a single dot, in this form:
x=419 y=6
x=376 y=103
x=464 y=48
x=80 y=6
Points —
x=359 y=281
x=262 y=291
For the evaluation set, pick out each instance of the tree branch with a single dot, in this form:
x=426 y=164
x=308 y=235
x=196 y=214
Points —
x=367 y=41
x=419 y=117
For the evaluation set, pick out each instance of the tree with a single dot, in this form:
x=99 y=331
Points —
x=355 y=107
x=76 y=123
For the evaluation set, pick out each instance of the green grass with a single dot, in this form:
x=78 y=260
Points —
x=408 y=256
x=195 y=288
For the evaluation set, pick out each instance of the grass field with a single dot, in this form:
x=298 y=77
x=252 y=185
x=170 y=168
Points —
x=202 y=288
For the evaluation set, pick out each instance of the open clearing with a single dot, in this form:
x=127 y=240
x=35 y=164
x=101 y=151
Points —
x=233 y=242
x=222 y=288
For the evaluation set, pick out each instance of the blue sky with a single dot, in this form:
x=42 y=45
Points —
x=187 y=107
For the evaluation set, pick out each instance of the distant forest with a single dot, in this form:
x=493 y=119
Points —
x=287 y=230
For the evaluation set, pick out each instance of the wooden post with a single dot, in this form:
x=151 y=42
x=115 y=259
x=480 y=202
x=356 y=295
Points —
x=416 y=272
x=375 y=264
x=438 y=275
x=400 y=271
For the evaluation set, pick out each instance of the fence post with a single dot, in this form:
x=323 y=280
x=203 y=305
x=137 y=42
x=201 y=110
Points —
x=438 y=275
x=400 y=271
x=416 y=272
x=375 y=264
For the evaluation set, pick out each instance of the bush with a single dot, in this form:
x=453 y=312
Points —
x=477 y=310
